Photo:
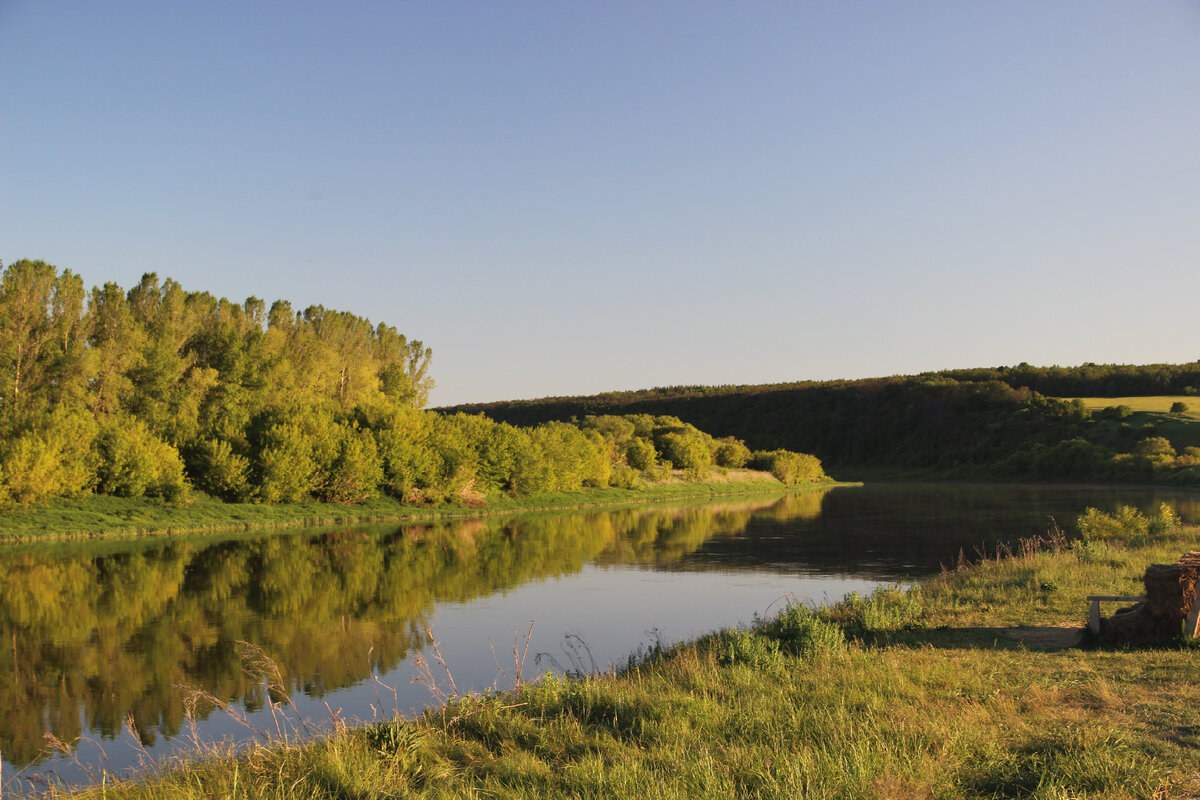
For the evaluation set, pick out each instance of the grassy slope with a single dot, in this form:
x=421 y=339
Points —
x=1182 y=430
x=1160 y=404
x=100 y=515
x=944 y=692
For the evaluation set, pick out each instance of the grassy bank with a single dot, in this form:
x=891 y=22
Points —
x=974 y=684
x=99 y=515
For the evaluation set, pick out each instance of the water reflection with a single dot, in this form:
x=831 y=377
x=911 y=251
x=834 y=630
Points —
x=96 y=638
x=94 y=635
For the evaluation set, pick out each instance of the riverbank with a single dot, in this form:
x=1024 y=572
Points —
x=100 y=516
x=970 y=685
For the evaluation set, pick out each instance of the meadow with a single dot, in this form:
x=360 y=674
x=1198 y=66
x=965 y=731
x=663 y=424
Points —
x=977 y=683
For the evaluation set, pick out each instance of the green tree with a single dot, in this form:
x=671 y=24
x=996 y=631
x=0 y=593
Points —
x=731 y=452
x=133 y=462
x=684 y=449
x=356 y=472
x=41 y=338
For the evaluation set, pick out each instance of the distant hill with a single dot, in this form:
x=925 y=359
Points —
x=1003 y=422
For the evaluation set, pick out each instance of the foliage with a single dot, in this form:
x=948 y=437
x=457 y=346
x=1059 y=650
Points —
x=985 y=423
x=731 y=452
x=790 y=468
x=802 y=631
x=683 y=448
x=154 y=390
x=134 y=462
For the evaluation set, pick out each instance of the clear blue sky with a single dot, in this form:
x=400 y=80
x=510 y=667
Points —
x=571 y=197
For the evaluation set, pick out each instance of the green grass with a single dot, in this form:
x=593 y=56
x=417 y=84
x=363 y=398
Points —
x=99 y=515
x=958 y=688
x=1150 y=417
x=1160 y=404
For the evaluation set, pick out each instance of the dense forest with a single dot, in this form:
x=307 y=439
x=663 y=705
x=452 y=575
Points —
x=160 y=391
x=968 y=423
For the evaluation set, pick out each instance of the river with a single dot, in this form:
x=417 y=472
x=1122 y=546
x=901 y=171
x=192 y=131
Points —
x=118 y=653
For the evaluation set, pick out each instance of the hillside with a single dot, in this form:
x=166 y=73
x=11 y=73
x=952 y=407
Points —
x=995 y=423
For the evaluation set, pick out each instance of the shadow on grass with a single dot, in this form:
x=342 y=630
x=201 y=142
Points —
x=998 y=638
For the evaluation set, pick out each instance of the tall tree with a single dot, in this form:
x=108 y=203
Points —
x=40 y=316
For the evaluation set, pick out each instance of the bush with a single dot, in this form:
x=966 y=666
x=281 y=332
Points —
x=1097 y=526
x=219 y=471
x=684 y=448
x=287 y=472
x=1179 y=407
x=1089 y=552
x=731 y=452
x=624 y=477
x=790 y=468
x=1154 y=446
x=356 y=472
x=1165 y=521
x=56 y=459
x=801 y=631
x=134 y=462
x=640 y=454
x=888 y=608
x=748 y=648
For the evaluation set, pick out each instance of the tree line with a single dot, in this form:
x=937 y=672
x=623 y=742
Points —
x=159 y=391
x=933 y=423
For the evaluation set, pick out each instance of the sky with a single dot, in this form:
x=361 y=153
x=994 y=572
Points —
x=565 y=198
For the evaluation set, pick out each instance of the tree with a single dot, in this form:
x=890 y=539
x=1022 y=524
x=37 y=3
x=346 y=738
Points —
x=40 y=338
x=133 y=462
x=117 y=343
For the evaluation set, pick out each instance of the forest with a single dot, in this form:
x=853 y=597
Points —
x=984 y=423
x=159 y=391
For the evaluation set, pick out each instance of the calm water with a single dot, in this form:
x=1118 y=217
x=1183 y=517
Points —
x=116 y=649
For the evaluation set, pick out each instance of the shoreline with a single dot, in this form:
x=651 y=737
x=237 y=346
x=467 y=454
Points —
x=106 y=517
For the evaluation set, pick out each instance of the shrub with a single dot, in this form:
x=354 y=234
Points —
x=287 y=472
x=1089 y=552
x=1165 y=521
x=748 y=648
x=1154 y=446
x=888 y=608
x=1179 y=407
x=134 y=462
x=731 y=452
x=218 y=470
x=801 y=631
x=56 y=459
x=685 y=449
x=1097 y=526
x=624 y=477
x=640 y=454
x=790 y=468
x=356 y=472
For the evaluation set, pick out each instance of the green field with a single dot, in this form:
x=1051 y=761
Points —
x=1151 y=417
x=1161 y=404
x=970 y=686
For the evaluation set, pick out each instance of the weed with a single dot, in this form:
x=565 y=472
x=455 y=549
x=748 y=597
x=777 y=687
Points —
x=802 y=631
